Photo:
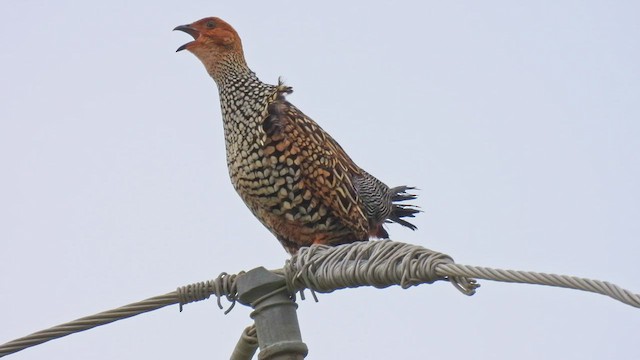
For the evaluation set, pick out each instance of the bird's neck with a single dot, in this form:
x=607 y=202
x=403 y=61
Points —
x=239 y=87
x=228 y=69
x=236 y=81
x=243 y=99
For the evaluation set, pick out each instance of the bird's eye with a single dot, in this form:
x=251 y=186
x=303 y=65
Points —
x=210 y=24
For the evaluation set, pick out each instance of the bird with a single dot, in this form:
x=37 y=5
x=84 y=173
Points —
x=292 y=175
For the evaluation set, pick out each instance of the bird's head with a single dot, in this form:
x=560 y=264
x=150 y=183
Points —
x=213 y=41
x=210 y=33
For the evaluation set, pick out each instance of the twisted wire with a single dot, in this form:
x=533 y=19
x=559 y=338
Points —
x=224 y=285
x=537 y=278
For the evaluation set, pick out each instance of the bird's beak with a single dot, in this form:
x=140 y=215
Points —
x=189 y=30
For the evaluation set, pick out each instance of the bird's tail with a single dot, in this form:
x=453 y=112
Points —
x=400 y=211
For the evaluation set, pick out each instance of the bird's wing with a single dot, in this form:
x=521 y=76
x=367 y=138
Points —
x=325 y=168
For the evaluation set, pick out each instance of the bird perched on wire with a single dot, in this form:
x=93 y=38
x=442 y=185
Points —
x=294 y=177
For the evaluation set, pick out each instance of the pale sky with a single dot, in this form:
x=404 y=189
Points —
x=519 y=122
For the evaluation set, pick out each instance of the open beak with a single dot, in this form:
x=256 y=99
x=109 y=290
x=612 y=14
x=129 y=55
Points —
x=189 y=30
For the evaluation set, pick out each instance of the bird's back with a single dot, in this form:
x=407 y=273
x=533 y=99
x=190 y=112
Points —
x=299 y=181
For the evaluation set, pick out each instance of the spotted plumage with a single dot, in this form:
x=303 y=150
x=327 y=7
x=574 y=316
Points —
x=294 y=177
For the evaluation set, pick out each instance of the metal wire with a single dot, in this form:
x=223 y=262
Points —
x=325 y=269
x=88 y=322
x=223 y=285
x=537 y=278
x=247 y=344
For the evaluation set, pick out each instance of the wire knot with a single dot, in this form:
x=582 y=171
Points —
x=223 y=285
x=380 y=263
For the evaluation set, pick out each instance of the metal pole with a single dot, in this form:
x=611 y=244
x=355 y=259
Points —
x=274 y=315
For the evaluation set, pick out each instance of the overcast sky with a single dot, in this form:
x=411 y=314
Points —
x=519 y=122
